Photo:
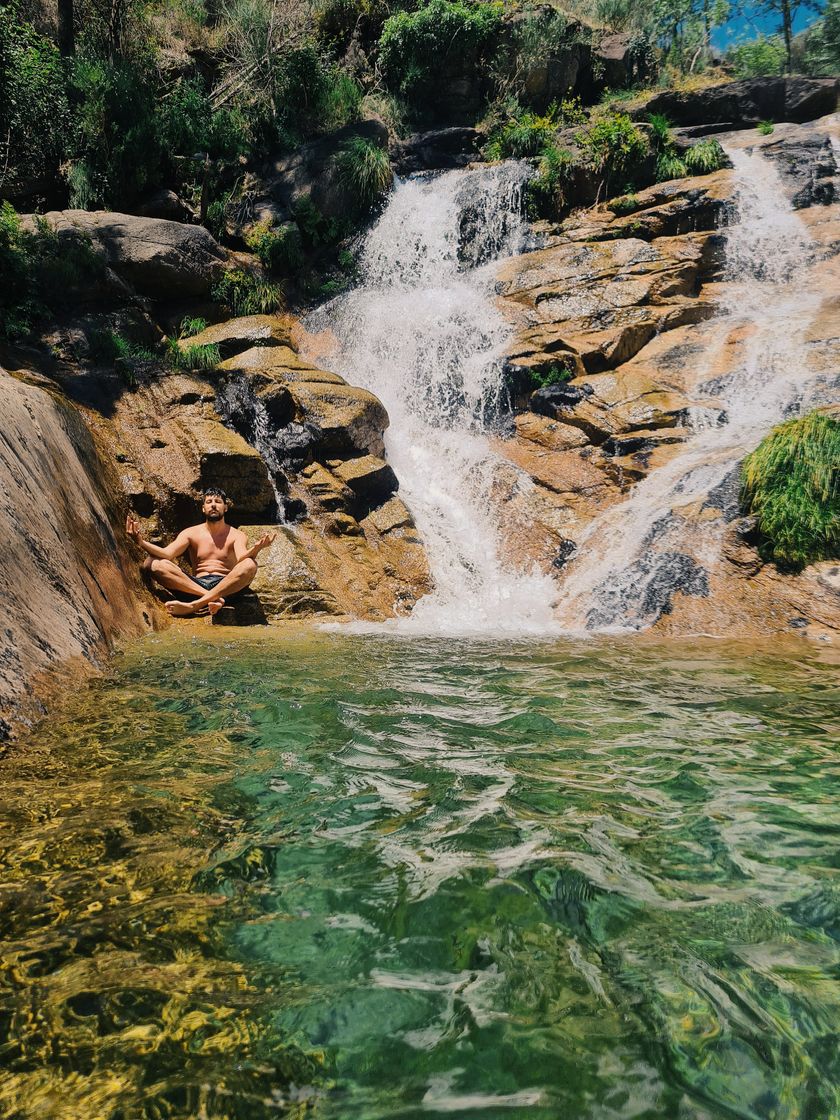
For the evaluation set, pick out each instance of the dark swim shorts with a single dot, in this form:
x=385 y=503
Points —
x=207 y=583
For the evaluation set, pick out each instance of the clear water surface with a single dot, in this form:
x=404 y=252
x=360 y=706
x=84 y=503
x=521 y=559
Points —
x=353 y=876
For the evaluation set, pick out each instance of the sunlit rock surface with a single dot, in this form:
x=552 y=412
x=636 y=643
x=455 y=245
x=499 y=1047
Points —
x=70 y=583
x=634 y=315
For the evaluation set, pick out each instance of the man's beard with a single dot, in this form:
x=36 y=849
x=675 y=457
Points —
x=215 y=516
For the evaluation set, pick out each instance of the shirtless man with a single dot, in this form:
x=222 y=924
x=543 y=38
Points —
x=220 y=556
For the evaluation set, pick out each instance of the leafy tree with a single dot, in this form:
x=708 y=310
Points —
x=759 y=58
x=785 y=11
x=117 y=152
x=34 y=111
x=821 y=55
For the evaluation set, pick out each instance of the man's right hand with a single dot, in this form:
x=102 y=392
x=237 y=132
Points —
x=132 y=528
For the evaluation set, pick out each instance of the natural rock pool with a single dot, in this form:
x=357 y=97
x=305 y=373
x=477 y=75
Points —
x=356 y=876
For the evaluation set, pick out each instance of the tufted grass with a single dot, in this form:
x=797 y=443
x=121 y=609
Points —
x=704 y=156
x=670 y=166
x=791 y=484
x=243 y=293
x=193 y=357
x=365 y=170
x=191 y=326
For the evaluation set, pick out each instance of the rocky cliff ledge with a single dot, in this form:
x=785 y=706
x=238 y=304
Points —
x=88 y=436
x=70 y=584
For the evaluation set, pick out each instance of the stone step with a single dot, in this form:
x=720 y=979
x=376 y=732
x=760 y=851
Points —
x=245 y=610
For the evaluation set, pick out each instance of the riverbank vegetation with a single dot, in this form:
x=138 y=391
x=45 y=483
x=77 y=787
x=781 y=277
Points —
x=791 y=485
x=103 y=103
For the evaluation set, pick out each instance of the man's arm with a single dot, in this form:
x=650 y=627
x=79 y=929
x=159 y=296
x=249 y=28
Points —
x=172 y=551
x=242 y=552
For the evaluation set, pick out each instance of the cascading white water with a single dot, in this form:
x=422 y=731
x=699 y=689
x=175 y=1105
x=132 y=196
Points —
x=421 y=331
x=630 y=554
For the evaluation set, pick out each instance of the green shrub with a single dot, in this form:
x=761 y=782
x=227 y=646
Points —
x=18 y=304
x=525 y=134
x=243 y=293
x=41 y=272
x=704 y=156
x=765 y=128
x=555 y=373
x=760 y=58
x=312 y=95
x=547 y=190
x=613 y=145
x=791 y=484
x=278 y=248
x=365 y=171
x=342 y=102
x=416 y=46
x=62 y=267
x=338 y=22
x=660 y=131
x=670 y=166
x=116 y=148
x=187 y=124
x=317 y=230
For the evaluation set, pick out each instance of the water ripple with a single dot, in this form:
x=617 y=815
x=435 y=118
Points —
x=346 y=876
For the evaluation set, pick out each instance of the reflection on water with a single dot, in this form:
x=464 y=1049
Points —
x=349 y=876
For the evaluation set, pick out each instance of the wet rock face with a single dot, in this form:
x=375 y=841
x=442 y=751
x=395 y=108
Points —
x=808 y=166
x=646 y=590
x=75 y=585
x=438 y=150
x=622 y=309
x=285 y=440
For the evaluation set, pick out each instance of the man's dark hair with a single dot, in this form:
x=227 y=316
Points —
x=219 y=493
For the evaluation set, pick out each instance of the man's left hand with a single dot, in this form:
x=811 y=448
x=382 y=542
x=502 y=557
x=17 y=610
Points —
x=264 y=542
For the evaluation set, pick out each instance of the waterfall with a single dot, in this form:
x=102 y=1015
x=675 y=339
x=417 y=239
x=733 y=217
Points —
x=636 y=553
x=242 y=410
x=422 y=332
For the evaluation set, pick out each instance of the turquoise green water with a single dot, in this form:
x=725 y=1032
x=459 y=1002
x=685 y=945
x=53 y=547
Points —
x=365 y=877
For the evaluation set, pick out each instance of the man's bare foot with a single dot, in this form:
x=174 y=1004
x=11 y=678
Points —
x=185 y=610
